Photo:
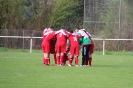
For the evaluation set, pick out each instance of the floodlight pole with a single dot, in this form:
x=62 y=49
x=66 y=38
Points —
x=84 y=15
x=119 y=27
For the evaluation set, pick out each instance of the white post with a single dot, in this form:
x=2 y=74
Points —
x=30 y=45
x=103 y=47
x=23 y=38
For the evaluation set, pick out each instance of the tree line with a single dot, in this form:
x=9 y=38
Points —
x=38 y=14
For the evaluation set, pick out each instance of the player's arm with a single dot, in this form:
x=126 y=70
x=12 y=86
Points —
x=67 y=33
x=81 y=33
x=79 y=36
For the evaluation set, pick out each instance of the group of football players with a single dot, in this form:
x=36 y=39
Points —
x=65 y=46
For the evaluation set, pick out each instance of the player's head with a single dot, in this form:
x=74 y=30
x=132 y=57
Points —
x=82 y=29
x=51 y=28
x=63 y=28
x=71 y=31
x=77 y=29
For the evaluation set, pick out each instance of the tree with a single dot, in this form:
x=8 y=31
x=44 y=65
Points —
x=30 y=14
x=37 y=13
x=67 y=13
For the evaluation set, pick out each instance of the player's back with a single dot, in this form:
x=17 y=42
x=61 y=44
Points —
x=49 y=36
x=61 y=37
x=53 y=42
x=74 y=39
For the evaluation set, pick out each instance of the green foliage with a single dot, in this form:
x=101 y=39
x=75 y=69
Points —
x=28 y=14
x=37 y=14
x=65 y=12
x=9 y=14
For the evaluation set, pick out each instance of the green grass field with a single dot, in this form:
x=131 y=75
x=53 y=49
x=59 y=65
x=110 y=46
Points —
x=21 y=69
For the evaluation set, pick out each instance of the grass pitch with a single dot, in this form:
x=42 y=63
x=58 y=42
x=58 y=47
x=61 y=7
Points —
x=21 y=69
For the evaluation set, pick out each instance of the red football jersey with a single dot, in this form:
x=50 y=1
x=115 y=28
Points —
x=73 y=38
x=52 y=45
x=48 y=36
x=45 y=31
x=61 y=41
x=61 y=36
x=53 y=42
x=46 y=41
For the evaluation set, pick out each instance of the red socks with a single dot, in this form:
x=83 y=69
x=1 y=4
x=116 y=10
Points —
x=55 y=59
x=44 y=60
x=70 y=61
x=90 y=60
x=62 y=60
x=48 y=61
x=58 y=59
x=76 y=61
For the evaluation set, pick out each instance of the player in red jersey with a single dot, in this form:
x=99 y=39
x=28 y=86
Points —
x=67 y=54
x=61 y=45
x=52 y=49
x=74 y=47
x=45 y=30
x=46 y=44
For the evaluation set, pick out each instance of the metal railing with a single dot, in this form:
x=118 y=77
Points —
x=103 y=47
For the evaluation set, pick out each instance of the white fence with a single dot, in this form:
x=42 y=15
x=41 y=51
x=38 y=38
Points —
x=23 y=37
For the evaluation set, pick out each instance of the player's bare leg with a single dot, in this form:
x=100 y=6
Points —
x=46 y=58
x=76 y=60
x=55 y=59
x=90 y=60
x=58 y=59
x=70 y=60
x=62 y=59
x=65 y=58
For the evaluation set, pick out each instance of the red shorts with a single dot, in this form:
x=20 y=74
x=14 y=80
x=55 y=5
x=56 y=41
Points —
x=91 y=48
x=52 y=50
x=52 y=46
x=66 y=57
x=61 y=48
x=74 y=50
x=45 y=47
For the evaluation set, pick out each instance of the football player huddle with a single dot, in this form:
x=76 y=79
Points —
x=65 y=46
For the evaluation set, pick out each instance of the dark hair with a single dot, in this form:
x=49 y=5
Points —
x=63 y=27
x=71 y=31
x=77 y=28
x=52 y=27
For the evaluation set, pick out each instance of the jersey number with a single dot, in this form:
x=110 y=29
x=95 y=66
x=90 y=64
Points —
x=75 y=38
x=60 y=34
